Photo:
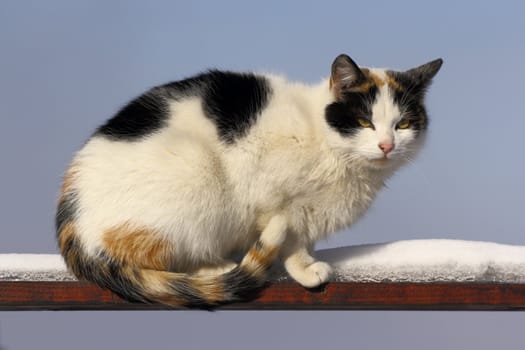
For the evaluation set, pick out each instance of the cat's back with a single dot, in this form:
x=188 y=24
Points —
x=161 y=149
x=193 y=126
x=182 y=121
x=229 y=101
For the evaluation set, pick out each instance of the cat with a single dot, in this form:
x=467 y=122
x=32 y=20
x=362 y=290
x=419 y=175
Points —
x=162 y=195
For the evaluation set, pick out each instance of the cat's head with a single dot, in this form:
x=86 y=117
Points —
x=378 y=117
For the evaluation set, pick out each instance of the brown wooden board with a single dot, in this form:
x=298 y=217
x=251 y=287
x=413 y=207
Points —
x=49 y=295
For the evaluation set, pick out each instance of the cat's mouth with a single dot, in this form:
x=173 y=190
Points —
x=381 y=162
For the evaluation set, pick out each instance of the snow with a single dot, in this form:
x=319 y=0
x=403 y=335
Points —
x=428 y=261
x=33 y=267
x=401 y=261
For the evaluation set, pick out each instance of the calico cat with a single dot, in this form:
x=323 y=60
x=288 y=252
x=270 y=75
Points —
x=162 y=195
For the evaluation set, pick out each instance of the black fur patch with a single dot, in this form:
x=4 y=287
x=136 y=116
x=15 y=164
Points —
x=148 y=113
x=106 y=273
x=110 y=274
x=241 y=285
x=182 y=287
x=66 y=211
x=414 y=111
x=342 y=115
x=233 y=101
x=409 y=96
x=141 y=117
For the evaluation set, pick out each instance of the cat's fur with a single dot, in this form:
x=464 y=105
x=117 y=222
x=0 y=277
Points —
x=162 y=195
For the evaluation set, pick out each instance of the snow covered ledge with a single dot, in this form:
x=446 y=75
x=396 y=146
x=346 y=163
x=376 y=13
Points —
x=418 y=274
x=402 y=261
x=428 y=261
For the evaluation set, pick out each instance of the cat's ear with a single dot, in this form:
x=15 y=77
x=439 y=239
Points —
x=345 y=74
x=422 y=76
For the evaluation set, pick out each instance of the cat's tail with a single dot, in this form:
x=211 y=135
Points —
x=174 y=289
x=207 y=292
x=240 y=283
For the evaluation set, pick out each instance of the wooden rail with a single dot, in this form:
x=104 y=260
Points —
x=72 y=295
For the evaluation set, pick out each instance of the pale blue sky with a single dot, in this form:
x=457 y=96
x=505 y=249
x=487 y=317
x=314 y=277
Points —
x=66 y=66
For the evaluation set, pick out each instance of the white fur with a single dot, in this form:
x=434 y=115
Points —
x=211 y=199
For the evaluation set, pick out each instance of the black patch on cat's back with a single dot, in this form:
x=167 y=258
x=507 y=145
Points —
x=233 y=101
x=149 y=112
x=139 y=118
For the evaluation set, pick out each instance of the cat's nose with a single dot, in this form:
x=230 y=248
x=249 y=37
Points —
x=386 y=147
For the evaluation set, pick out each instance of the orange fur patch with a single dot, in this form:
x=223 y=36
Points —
x=363 y=87
x=71 y=250
x=65 y=235
x=394 y=84
x=259 y=258
x=66 y=238
x=138 y=247
x=213 y=292
x=373 y=78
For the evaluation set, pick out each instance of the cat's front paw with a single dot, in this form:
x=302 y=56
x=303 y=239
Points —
x=314 y=274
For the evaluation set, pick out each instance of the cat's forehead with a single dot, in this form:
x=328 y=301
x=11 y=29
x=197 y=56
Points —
x=380 y=78
x=378 y=83
x=384 y=107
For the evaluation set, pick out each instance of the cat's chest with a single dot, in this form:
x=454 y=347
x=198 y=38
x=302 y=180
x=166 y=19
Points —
x=315 y=205
x=333 y=206
x=317 y=190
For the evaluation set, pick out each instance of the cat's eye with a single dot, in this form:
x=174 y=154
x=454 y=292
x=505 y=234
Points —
x=403 y=124
x=365 y=123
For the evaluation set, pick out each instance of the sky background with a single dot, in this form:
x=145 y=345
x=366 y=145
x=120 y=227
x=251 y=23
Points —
x=66 y=66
